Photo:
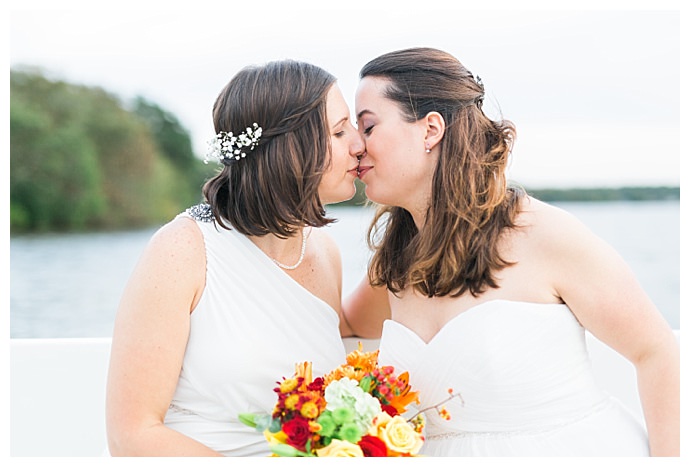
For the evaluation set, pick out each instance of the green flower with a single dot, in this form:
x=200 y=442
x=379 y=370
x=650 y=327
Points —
x=342 y=415
x=328 y=425
x=350 y=432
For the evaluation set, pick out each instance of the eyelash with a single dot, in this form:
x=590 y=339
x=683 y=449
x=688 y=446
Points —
x=368 y=130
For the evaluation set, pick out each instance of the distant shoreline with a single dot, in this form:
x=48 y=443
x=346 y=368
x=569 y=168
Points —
x=657 y=193
x=630 y=193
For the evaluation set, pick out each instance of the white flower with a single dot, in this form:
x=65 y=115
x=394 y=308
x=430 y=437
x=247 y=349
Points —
x=346 y=392
x=225 y=145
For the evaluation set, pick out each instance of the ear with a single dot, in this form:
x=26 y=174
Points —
x=435 y=129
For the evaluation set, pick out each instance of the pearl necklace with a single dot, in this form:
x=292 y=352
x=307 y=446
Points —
x=301 y=256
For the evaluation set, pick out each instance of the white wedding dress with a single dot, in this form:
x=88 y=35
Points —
x=525 y=377
x=251 y=326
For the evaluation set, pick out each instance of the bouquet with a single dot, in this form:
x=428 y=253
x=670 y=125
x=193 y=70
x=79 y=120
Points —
x=355 y=410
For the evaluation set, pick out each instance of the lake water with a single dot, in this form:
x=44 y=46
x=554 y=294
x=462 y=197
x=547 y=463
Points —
x=69 y=285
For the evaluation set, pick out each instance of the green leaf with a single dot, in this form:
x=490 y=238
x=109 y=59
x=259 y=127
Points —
x=366 y=383
x=259 y=421
x=263 y=421
x=285 y=450
x=248 y=419
x=274 y=425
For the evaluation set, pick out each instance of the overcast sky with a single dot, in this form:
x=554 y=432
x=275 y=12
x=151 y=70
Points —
x=594 y=93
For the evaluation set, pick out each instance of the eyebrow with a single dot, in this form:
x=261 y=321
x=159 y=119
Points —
x=365 y=111
x=344 y=119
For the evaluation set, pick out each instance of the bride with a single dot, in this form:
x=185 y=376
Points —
x=478 y=287
x=234 y=291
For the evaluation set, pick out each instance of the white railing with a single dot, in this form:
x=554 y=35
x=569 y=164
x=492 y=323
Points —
x=57 y=392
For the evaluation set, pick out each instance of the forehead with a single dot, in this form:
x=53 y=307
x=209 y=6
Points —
x=370 y=94
x=336 y=107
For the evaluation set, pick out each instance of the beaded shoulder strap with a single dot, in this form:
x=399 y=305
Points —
x=201 y=212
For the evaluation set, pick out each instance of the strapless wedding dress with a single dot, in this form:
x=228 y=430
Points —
x=525 y=377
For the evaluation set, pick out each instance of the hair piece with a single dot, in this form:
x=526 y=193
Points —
x=227 y=148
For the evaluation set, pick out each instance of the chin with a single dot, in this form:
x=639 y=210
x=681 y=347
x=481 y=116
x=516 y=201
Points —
x=344 y=195
x=372 y=196
x=383 y=200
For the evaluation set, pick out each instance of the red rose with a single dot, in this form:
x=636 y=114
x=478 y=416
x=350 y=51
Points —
x=372 y=446
x=390 y=410
x=297 y=431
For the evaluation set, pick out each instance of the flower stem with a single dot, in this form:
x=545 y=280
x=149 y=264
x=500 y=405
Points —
x=436 y=407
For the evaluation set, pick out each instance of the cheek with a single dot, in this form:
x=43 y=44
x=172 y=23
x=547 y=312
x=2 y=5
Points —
x=339 y=158
x=385 y=144
x=340 y=163
x=373 y=145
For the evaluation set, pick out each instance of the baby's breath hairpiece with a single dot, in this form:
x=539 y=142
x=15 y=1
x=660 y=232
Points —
x=226 y=147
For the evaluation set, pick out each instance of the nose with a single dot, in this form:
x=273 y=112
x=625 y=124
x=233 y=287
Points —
x=357 y=146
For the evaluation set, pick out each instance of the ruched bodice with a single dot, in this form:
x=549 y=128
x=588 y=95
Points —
x=525 y=377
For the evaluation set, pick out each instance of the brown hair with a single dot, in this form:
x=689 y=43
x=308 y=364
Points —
x=275 y=188
x=456 y=251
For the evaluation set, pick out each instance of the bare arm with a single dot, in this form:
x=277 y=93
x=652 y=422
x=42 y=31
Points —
x=149 y=339
x=365 y=310
x=607 y=299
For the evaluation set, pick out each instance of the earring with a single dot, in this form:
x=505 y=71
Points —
x=427 y=150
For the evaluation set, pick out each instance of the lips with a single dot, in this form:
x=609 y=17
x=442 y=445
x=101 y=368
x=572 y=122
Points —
x=363 y=169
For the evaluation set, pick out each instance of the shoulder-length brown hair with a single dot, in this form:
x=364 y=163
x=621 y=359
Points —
x=275 y=188
x=456 y=251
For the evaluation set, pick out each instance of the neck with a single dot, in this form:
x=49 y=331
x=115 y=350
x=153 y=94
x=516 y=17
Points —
x=418 y=209
x=419 y=217
x=286 y=252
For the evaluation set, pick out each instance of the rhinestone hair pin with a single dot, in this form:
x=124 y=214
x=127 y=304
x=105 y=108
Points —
x=227 y=147
x=479 y=100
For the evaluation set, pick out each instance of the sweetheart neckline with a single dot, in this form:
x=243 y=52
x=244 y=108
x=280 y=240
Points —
x=472 y=308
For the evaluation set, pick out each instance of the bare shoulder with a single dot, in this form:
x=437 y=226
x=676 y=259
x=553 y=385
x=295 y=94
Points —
x=178 y=242
x=326 y=253
x=324 y=242
x=179 y=231
x=559 y=238
x=549 y=225
x=170 y=274
x=539 y=214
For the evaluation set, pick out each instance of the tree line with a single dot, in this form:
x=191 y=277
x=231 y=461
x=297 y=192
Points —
x=83 y=159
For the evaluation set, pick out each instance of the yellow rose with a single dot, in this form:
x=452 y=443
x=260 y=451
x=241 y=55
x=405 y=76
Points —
x=340 y=448
x=379 y=424
x=400 y=437
x=275 y=438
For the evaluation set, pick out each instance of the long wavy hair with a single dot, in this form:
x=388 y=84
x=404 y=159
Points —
x=471 y=204
x=274 y=190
